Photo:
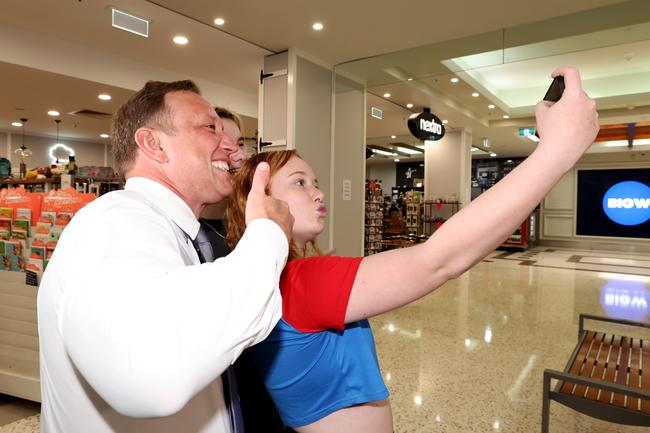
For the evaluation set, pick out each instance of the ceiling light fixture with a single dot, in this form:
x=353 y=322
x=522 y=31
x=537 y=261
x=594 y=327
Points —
x=386 y=95
x=180 y=40
x=493 y=154
x=505 y=116
x=53 y=150
x=103 y=135
x=16 y=124
x=23 y=151
x=409 y=105
x=475 y=94
x=491 y=106
x=393 y=136
x=317 y=26
x=383 y=152
x=445 y=121
x=408 y=151
x=104 y=96
x=454 y=80
x=219 y=21
x=409 y=79
x=53 y=113
x=396 y=160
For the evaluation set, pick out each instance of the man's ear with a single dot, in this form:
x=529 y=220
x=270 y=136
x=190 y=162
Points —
x=149 y=144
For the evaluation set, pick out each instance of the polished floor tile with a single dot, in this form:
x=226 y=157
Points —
x=17 y=412
x=470 y=356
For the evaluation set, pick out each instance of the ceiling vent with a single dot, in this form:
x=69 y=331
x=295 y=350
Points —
x=91 y=113
x=130 y=23
x=377 y=113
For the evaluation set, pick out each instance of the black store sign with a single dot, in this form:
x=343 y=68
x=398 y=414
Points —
x=426 y=126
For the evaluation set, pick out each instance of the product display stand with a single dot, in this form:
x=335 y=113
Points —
x=436 y=213
x=374 y=227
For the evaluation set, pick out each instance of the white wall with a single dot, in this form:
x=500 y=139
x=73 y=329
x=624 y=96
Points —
x=448 y=166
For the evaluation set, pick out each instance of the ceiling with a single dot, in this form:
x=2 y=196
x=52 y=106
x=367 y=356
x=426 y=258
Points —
x=61 y=54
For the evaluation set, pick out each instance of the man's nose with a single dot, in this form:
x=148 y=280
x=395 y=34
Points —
x=228 y=143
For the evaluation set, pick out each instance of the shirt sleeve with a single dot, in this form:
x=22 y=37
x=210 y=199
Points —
x=144 y=329
x=316 y=291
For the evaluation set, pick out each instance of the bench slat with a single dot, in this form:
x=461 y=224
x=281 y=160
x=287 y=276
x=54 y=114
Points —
x=601 y=363
x=610 y=371
x=621 y=373
x=579 y=360
x=589 y=363
x=635 y=373
x=645 y=374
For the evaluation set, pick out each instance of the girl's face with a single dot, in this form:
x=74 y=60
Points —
x=233 y=140
x=296 y=184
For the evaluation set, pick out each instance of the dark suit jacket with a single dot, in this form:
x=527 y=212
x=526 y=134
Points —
x=260 y=415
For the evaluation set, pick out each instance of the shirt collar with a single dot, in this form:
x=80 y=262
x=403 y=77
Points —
x=175 y=208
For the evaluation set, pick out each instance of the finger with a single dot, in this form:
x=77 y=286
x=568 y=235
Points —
x=261 y=178
x=542 y=107
x=571 y=76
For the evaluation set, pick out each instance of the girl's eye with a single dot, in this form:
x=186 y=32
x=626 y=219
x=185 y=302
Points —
x=300 y=182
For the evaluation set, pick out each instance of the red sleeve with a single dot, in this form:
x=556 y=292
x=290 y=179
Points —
x=316 y=290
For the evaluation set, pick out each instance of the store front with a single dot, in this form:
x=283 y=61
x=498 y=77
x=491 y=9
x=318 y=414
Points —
x=483 y=90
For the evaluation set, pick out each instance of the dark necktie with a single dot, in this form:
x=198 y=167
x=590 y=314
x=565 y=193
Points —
x=231 y=396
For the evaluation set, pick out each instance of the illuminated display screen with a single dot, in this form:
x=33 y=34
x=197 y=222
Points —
x=614 y=203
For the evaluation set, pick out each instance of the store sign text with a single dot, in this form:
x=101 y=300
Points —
x=627 y=203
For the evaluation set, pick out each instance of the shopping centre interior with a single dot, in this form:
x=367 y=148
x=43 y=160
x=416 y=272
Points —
x=471 y=356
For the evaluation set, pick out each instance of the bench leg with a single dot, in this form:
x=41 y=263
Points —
x=546 y=403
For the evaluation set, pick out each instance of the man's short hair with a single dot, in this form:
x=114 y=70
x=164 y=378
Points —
x=145 y=108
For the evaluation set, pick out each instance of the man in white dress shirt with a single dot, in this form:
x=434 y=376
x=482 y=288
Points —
x=134 y=332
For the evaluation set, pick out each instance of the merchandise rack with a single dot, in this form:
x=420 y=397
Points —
x=374 y=221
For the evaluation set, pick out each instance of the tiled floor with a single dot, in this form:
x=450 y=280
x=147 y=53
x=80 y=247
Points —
x=470 y=357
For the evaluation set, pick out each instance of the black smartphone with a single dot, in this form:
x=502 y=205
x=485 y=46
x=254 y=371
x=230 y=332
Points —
x=554 y=92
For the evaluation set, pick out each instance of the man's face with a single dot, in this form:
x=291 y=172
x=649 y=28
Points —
x=198 y=163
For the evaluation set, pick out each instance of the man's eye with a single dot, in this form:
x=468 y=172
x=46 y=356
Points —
x=211 y=126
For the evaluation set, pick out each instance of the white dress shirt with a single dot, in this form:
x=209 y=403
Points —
x=134 y=332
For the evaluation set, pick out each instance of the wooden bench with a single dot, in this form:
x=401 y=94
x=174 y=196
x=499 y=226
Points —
x=607 y=377
x=19 y=363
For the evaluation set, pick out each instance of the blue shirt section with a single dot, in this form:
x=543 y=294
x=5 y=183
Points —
x=311 y=375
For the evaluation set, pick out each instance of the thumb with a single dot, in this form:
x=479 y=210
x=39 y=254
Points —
x=261 y=179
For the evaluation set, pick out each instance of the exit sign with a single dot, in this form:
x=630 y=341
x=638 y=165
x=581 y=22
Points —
x=525 y=132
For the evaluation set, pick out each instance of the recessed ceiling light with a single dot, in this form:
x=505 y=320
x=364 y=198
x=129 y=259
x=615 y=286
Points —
x=103 y=135
x=53 y=113
x=505 y=116
x=317 y=26
x=386 y=95
x=16 y=124
x=491 y=106
x=475 y=94
x=493 y=154
x=409 y=105
x=396 y=160
x=393 y=136
x=219 y=21
x=104 y=97
x=409 y=79
x=454 y=80
x=180 y=40
x=445 y=121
